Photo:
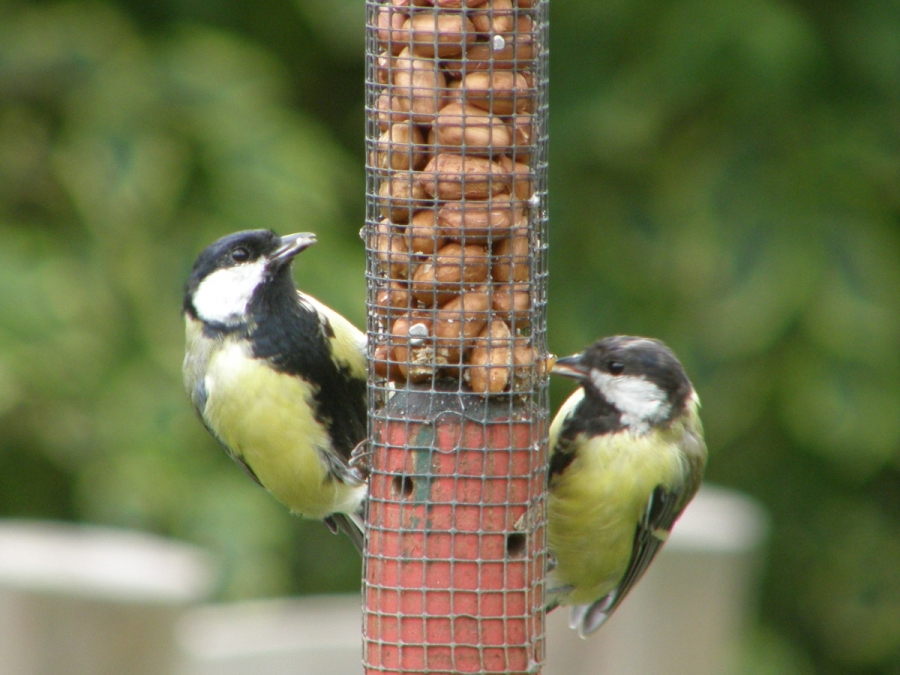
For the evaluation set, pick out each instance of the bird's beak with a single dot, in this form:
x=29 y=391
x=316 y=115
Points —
x=292 y=244
x=570 y=366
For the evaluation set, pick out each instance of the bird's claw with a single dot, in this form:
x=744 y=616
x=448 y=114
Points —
x=359 y=460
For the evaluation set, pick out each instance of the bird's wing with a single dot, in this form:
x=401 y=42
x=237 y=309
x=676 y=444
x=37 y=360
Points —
x=348 y=343
x=662 y=510
x=347 y=348
x=241 y=463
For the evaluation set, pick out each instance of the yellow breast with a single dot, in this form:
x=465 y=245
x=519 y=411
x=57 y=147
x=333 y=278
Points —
x=266 y=418
x=596 y=503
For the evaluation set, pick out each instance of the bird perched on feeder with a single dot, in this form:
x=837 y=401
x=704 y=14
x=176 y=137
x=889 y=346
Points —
x=627 y=455
x=277 y=377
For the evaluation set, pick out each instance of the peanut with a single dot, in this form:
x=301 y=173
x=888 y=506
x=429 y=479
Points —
x=457 y=323
x=400 y=196
x=423 y=234
x=383 y=66
x=389 y=23
x=399 y=148
x=391 y=110
x=528 y=366
x=521 y=177
x=394 y=300
x=476 y=129
x=452 y=177
x=517 y=52
x=511 y=258
x=439 y=279
x=385 y=364
x=458 y=4
x=412 y=347
x=420 y=84
x=390 y=249
x=497 y=17
x=491 y=360
x=477 y=222
x=438 y=34
x=523 y=138
x=502 y=92
x=512 y=301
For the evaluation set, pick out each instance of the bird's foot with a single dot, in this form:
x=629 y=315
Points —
x=359 y=460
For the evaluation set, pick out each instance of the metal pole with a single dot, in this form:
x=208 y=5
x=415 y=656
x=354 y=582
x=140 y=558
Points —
x=456 y=235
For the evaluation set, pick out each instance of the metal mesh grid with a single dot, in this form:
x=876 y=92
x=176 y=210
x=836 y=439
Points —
x=456 y=236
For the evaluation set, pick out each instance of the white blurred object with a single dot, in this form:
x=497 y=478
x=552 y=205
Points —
x=318 y=635
x=85 y=600
x=690 y=611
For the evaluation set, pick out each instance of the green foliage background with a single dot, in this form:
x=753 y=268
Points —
x=724 y=175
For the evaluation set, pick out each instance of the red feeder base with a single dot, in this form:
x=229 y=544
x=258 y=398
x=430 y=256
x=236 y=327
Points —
x=456 y=552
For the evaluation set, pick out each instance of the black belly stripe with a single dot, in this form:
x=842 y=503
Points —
x=291 y=337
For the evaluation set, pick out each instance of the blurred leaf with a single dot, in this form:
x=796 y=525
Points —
x=339 y=24
x=847 y=413
x=768 y=653
x=851 y=595
x=856 y=315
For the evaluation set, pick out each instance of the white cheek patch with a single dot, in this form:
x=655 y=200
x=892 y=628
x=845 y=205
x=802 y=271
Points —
x=641 y=402
x=222 y=297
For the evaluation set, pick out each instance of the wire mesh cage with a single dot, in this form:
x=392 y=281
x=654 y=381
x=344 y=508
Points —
x=456 y=240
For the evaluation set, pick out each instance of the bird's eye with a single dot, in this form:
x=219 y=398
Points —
x=616 y=367
x=240 y=254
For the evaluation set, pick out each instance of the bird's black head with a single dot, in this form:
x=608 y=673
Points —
x=641 y=377
x=229 y=272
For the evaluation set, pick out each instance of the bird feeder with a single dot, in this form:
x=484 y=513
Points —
x=456 y=240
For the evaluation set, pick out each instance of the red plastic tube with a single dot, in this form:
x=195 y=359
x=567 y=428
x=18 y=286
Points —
x=456 y=553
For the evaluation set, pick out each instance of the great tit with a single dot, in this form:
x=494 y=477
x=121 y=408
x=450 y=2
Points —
x=627 y=455
x=277 y=377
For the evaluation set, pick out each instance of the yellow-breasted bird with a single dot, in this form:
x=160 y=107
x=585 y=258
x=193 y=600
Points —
x=277 y=377
x=627 y=455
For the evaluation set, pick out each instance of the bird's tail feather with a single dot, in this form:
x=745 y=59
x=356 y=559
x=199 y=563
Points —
x=350 y=524
x=587 y=619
